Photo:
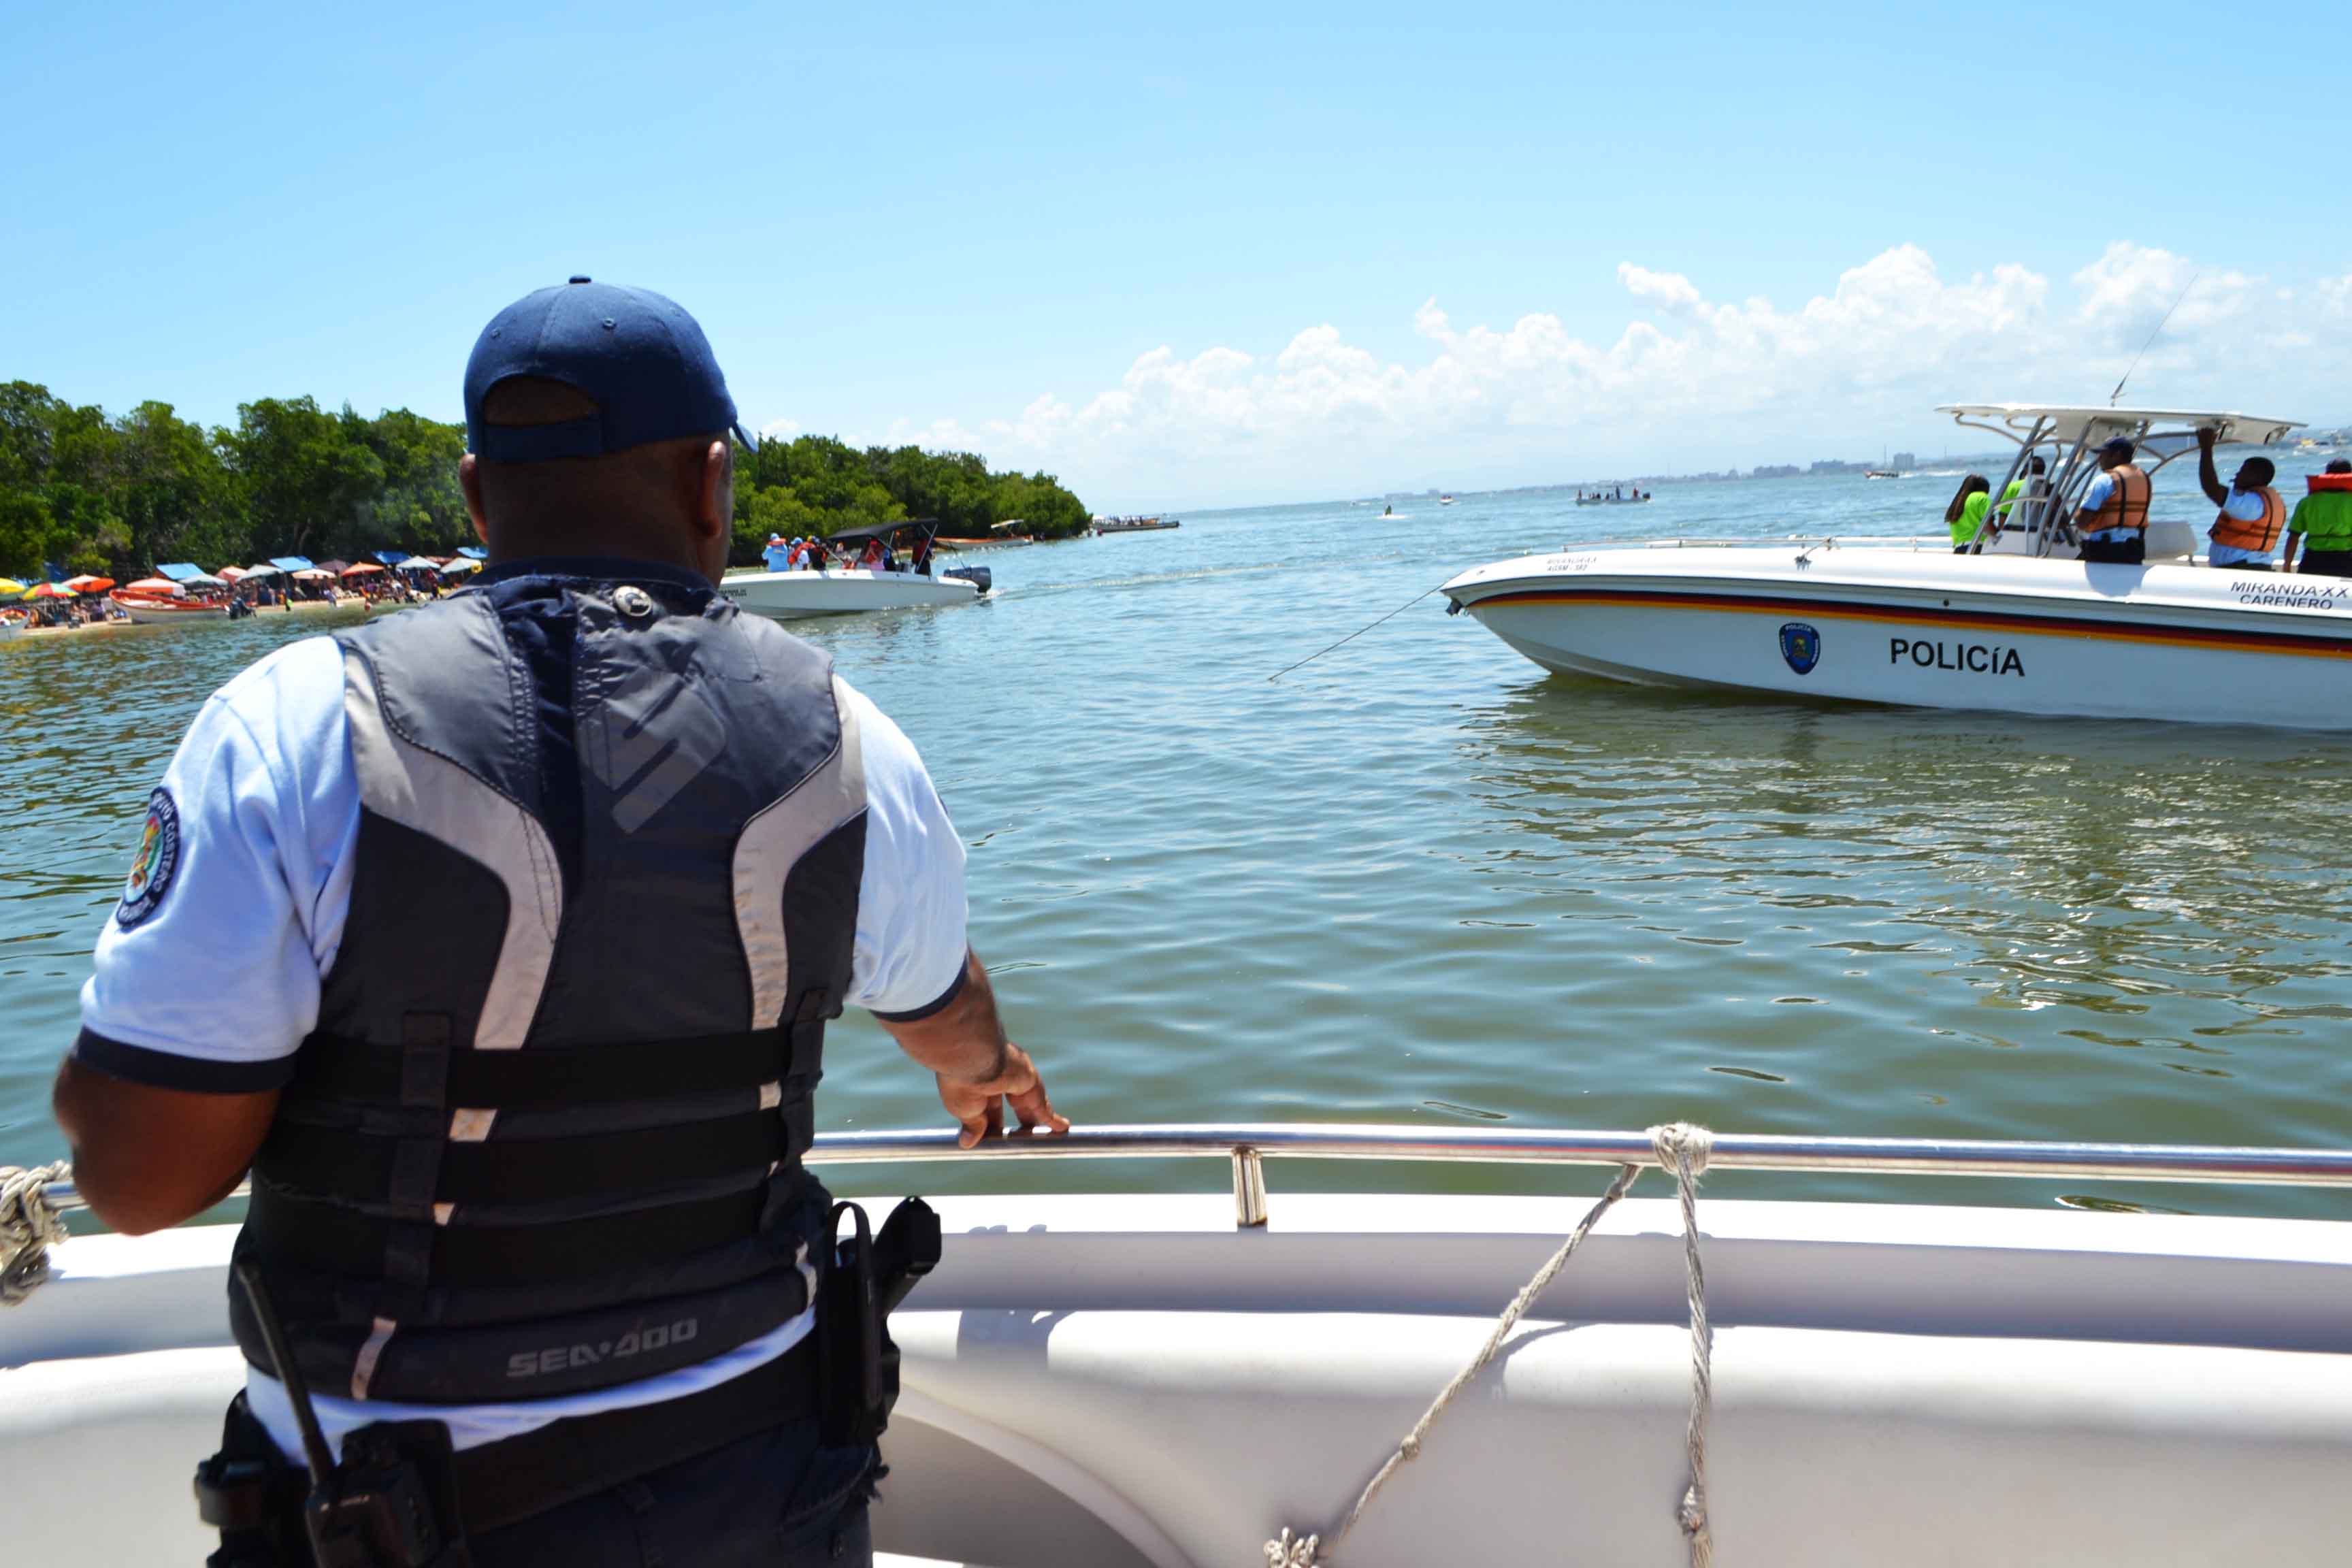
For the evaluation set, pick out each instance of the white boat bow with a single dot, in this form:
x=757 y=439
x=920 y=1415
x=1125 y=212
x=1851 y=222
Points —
x=1106 y=1381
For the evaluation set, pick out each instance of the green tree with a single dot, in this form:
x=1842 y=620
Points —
x=305 y=477
x=175 y=496
x=419 y=507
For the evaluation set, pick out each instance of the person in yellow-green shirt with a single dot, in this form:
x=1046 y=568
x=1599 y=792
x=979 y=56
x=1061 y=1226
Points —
x=2322 y=524
x=2035 y=481
x=1966 y=515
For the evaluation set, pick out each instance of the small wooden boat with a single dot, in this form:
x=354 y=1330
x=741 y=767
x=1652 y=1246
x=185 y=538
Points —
x=150 y=604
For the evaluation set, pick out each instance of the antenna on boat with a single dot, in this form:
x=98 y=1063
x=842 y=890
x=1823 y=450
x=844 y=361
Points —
x=2118 y=391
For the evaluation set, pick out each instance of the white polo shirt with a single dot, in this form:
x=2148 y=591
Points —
x=208 y=975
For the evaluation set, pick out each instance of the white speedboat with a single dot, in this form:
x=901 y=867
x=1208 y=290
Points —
x=787 y=595
x=848 y=591
x=2017 y=624
x=1174 y=1381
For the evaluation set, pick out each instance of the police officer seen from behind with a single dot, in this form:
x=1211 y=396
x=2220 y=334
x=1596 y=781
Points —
x=2252 y=514
x=2113 y=520
x=497 y=938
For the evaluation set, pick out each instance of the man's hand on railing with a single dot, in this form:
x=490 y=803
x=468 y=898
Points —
x=979 y=1107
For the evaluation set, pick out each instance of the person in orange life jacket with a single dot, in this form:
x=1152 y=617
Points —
x=640 y=1004
x=2113 y=521
x=2252 y=513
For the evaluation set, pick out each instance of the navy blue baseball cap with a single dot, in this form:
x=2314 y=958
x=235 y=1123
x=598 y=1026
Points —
x=638 y=356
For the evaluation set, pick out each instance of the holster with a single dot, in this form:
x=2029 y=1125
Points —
x=391 y=1503
x=865 y=1278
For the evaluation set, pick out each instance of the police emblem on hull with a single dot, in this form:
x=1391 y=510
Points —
x=1801 y=646
x=156 y=863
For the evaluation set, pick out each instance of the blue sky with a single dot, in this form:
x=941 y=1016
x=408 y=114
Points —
x=975 y=224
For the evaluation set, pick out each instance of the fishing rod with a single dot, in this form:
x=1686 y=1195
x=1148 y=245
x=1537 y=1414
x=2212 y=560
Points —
x=2118 y=391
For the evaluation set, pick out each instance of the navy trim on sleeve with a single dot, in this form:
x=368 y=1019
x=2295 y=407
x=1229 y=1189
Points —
x=163 y=1070
x=939 y=1005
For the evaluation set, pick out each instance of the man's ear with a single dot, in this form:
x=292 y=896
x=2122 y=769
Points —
x=714 y=507
x=470 y=479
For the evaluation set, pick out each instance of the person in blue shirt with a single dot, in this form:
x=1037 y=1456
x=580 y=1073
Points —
x=777 y=553
x=497 y=938
x=2113 y=519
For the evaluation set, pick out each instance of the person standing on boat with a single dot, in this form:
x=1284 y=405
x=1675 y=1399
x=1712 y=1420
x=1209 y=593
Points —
x=1965 y=517
x=2033 y=484
x=2252 y=514
x=2322 y=524
x=498 y=940
x=777 y=553
x=2113 y=520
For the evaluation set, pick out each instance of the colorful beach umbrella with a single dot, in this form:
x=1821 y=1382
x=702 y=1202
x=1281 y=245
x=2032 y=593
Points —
x=10 y=585
x=364 y=569
x=48 y=590
x=89 y=584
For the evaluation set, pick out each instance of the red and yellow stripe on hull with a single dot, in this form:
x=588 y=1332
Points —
x=2241 y=641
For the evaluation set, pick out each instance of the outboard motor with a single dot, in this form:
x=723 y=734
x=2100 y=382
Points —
x=978 y=575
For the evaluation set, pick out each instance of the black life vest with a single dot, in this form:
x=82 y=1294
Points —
x=547 y=1136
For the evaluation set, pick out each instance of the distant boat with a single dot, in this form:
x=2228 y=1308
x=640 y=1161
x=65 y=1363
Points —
x=1445 y=500
x=1880 y=474
x=1133 y=524
x=849 y=590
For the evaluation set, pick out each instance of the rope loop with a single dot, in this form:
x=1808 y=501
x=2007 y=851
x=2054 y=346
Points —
x=29 y=1224
x=1285 y=1551
x=1681 y=1148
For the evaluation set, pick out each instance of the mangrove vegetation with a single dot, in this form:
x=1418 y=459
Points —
x=81 y=490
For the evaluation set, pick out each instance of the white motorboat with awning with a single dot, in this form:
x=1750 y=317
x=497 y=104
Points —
x=2016 y=622
x=1172 y=1381
x=843 y=591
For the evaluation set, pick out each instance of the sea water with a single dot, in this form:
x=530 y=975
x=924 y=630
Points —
x=1420 y=882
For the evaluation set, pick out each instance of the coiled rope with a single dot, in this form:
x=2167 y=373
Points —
x=1678 y=1147
x=29 y=1225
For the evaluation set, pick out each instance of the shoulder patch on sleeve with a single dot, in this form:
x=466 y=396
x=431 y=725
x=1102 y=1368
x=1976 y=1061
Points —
x=157 y=862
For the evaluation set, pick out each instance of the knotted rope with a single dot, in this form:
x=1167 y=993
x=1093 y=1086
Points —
x=1678 y=1147
x=28 y=1224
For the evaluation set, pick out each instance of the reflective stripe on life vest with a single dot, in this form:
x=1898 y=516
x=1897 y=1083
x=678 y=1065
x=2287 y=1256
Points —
x=2258 y=536
x=2126 y=502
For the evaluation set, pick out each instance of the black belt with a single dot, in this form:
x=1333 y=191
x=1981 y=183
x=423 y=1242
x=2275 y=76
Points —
x=517 y=1478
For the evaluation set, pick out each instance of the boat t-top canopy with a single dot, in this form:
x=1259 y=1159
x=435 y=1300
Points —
x=2064 y=425
x=2065 y=438
x=886 y=532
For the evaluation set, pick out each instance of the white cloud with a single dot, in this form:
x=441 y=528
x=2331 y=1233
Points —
x=780 y=429
x=1688 y=383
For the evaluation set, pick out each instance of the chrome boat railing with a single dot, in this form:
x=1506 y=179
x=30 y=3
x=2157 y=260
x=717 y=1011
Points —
x=1246 y=1145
